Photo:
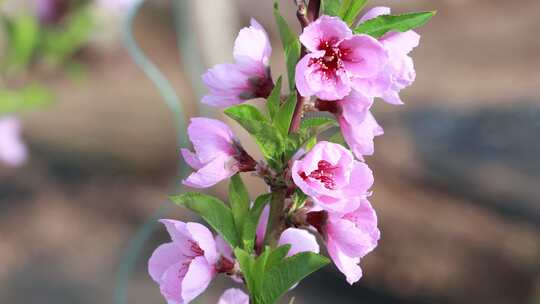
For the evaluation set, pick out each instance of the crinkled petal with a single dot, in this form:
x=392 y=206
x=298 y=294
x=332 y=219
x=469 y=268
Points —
x=364 y=57
x=212 y=173
x=300 y=240
x=197 y=278
x=234 y=296
x=324 y=29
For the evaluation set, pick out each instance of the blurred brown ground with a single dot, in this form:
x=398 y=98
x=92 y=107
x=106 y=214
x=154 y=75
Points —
x=104 y=159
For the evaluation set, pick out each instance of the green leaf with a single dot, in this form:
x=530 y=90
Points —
x=283 y=120
x=239 y=201
x=291 y=45
x=252 y=220
x=26 y=98
x=350 y=9
x=246 y=262
x=379 y=26
x=266 y=135
x=280 y=278
x=23 y=35
x=277 y=255
x=62 y=43
x=213 y=211
x=273 y=103
x=317 y=122
x=330 y=7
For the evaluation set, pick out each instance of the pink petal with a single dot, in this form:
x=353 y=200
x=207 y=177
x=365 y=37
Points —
x=361 y=181
x=226 y=83
x=262 y=225
x=375 y=12
x=223 y=248
x=360 y=137
x=211 y=138
x=400 y=42
x=346 y=264
x=197 y=279
x=204 y=238
x=162 y=259
x=324 y=29
x=171 y=283
x=300 y=240
x=212 y=173
x=234 y=296
x=191 y=159
x=177 y=231
x=13 y=152
x=252 y=46
x=365 y=56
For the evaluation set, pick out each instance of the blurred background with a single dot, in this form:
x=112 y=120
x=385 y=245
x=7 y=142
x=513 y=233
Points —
x=457 y=173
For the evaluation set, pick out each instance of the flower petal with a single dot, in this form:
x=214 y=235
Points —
x=204 y=238
x=324 y=29
x=300 y=240
x=234 y=296
x=162 y=259
x=375 y=12
x=197 y=279
x=252 y=46
x=212 y=173
x=364 y=56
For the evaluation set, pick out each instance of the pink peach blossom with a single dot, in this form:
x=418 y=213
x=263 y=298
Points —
x=13 y=152
x=217 y=155
x=331 y=176
x=350 y=237
x=300 y=240
x=399 y=73
x=337 y=59
x=234 y=296
x=357 y=124
x=184 y=267
x=249 y=77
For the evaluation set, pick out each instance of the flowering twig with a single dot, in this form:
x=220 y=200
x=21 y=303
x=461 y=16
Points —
x=302 y=15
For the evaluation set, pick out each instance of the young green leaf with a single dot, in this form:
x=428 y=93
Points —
x=239 y=201
x=26 y=98
x=350 y=9
x=381 y=25
x=276 y=256
x=330 y=7
x=246 y=262
x=23 y=35
x=316 y=122
x=283 y=120
x=273 y=103
x=266 y=135
x=291 y=45
x=213 y=211
x=252 y=220
x=280 y=278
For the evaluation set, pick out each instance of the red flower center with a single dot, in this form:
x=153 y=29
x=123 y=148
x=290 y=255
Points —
x=331 y=61
x=324 y=174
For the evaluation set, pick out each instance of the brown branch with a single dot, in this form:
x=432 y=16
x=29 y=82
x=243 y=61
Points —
x=301 y=14
x=313 y=9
